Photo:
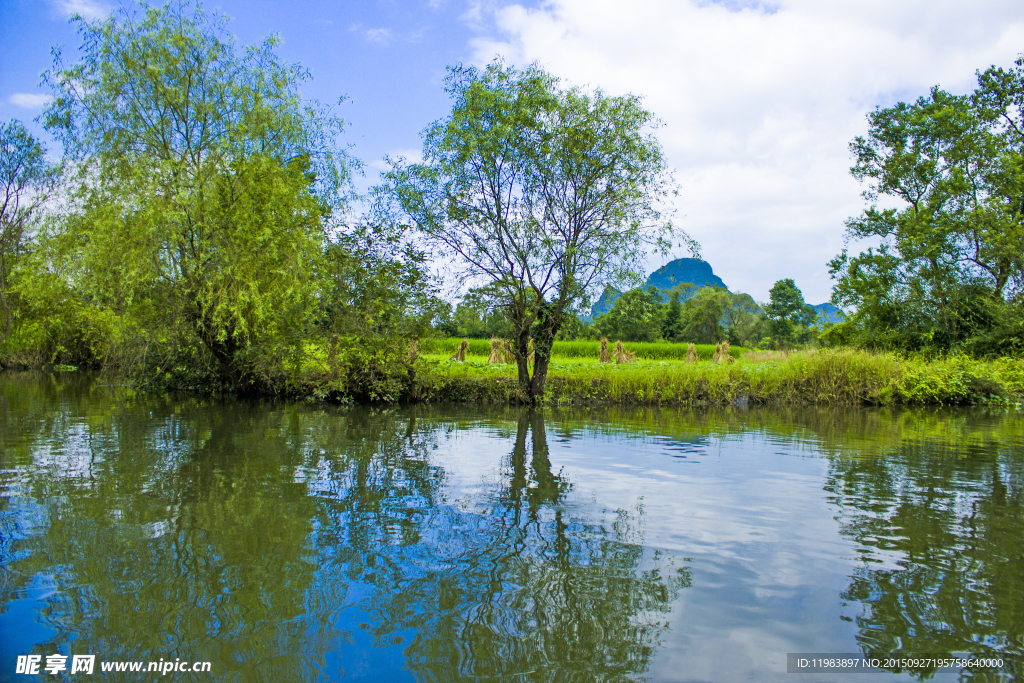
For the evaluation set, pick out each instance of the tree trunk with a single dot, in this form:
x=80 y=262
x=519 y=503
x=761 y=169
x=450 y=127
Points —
x=521 y=350
x=549 y=321
x=224 y=350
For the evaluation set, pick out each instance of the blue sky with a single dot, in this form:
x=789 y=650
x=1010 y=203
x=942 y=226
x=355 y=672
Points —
x=759 y=99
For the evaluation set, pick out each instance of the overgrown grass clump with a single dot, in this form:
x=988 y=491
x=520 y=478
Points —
x=829 y=377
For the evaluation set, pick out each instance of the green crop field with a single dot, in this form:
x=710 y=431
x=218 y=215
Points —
x=564 y=350
x=818 y=377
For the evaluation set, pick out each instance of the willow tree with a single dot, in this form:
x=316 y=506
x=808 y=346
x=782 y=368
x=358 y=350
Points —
x=542 y=191
x=204 y=184
x=27 y=180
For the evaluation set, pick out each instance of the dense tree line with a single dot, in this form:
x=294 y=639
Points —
x=199 y=228
x=705 y=315
x=202 y=229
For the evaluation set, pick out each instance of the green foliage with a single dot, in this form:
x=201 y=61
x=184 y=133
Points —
x=743 y=320
x=55 y=325
x=638 y=315
x=671 y=326
x=377 y=300
x=713 y=314
x=539 y=191
x=789 y=318
x=26 y=181
x=478 y=316
x=950 y=261
x=202 y=171
x=703 y=314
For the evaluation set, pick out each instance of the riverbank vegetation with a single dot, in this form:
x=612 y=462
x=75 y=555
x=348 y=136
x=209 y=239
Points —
x=198 y=231
x=825 y=377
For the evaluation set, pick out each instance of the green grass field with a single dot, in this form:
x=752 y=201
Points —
x=840 y=376
x=565 y=350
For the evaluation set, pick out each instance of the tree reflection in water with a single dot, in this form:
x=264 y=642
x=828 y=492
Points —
x=938 y=525
x=265 y=537
x=516 y=586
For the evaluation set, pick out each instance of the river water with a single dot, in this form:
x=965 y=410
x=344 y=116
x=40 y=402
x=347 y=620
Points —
x=284 y=541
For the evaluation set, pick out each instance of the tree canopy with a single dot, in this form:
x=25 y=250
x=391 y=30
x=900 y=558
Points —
x=539 y=190
x=950 y=257
x=27 y=180
x=199 y=165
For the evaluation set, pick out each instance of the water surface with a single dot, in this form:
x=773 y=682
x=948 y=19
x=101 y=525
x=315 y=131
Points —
x=283 y=541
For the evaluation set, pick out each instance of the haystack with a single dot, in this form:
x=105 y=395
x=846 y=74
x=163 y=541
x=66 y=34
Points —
x=691 y=354
x=622 y=355
x=460 y=355
x=501 y=352
x=722 y=353
x=605 y=356
x=414 y=350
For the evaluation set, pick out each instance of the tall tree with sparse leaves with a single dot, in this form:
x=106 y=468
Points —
x=540 y=190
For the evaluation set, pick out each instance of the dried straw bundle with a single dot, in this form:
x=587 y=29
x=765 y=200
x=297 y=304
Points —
x=722 y=353
x=460 y=355
x=501 y=352
x=414 y=350
x=605 y=356
x=622 y=355
x=691 y=354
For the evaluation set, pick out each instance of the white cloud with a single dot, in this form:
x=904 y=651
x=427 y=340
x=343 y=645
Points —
x=88 y=9
x=411 y=155
x=761 y=102
x=29 y=100
x=379 y=35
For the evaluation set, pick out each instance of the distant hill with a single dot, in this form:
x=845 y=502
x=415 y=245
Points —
x=828 y=313
x=699 y=274
x=691 y=270
x=694 y=271
x=606 y=302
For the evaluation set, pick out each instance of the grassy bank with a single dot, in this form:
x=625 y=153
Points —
x=811 y=377
x=825 y=377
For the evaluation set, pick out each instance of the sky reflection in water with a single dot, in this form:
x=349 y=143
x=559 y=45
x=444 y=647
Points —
x=291 y=542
